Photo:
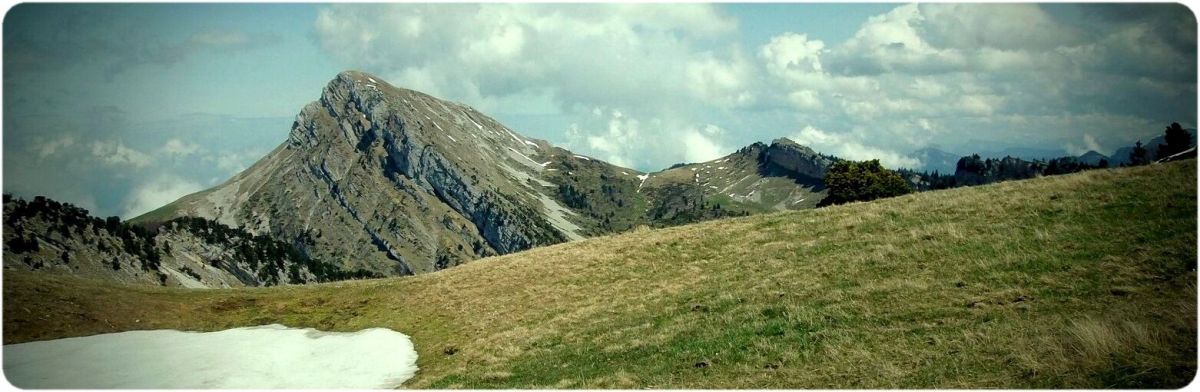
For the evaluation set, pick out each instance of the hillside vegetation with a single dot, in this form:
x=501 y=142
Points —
x=1084 y=280
x=50 y=237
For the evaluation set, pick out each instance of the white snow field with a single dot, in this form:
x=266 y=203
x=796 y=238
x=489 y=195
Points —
x=263 y=357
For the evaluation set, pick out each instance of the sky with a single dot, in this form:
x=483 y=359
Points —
x=122 y=108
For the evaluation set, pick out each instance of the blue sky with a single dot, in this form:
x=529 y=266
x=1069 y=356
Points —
x=122 y=108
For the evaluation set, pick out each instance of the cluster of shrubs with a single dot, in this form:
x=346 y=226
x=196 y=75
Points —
x=850 y=181
x=597 y=192
x=678 y=204
x=69 y=221
x=604 y=200
x=265 y=255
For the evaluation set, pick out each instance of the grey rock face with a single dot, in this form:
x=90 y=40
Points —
x=796 y=158
x=399 y=182
x=390 y=180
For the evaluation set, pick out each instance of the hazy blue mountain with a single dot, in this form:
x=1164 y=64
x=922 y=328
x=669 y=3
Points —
x=1092 y=158
x=933 y=158
x=1121 y=156
x=1026 y=153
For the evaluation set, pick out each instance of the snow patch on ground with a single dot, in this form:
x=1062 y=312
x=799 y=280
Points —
x=517 y=138
x=264 y=357
x=642 y=177
x=582 y=157
x=536 y=164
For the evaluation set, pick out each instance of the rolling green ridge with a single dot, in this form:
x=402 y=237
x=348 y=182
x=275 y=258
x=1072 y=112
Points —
x=1085 y=280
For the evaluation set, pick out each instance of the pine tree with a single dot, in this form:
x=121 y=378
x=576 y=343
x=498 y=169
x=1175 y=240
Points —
x=1178 y=140
x=1138 y=156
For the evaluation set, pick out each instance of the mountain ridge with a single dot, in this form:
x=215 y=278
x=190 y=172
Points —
x=400 y=182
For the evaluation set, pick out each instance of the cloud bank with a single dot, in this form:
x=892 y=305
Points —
x=951 y=74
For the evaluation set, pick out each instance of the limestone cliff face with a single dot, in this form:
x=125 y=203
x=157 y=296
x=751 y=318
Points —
x=398 y=182
x=394 y=181
x=793 y=157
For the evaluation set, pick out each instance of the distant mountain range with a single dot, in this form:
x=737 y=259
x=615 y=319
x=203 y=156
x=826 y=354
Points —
x=933 y=158
x=1093 y=158
x=376 y=179
x=1121 y=156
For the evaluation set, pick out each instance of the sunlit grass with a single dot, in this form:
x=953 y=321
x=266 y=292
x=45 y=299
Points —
x=1086 y=280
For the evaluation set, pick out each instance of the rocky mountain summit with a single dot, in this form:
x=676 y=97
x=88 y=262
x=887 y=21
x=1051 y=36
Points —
x=783 y=175
x=395 y=181
x=391 y=180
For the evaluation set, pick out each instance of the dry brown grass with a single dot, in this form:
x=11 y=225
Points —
x=1038 y=283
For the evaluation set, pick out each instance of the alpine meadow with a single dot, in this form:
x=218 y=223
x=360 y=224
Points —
x=599 y=196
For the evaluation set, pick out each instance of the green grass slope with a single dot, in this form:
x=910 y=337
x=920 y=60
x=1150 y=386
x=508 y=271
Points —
x=1084 y=280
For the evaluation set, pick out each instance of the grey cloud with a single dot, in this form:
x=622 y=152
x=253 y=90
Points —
x=116 y=38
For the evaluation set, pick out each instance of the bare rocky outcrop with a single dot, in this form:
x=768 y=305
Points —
x=391 y=180
x=796 y=158
x=398 y=182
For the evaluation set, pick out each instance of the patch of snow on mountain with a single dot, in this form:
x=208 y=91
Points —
x=264 y=357
x=643 y=178
x=476 y=124
x=525 y=156
x=582 y=157
x=515 y=137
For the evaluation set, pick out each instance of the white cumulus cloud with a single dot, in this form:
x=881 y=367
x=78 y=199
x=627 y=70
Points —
x=848 y=146
x=157 y=193
x=116 y=153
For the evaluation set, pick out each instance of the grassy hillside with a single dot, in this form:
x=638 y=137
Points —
x=1084 y=280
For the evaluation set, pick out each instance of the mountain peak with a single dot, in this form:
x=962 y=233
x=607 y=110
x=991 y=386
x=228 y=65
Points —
x=784 y=142
x=353 y=76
